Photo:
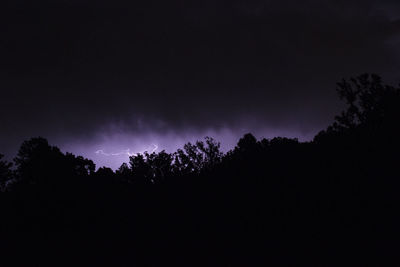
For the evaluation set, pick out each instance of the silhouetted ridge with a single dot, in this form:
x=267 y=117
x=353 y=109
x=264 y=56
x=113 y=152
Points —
x=329 y=202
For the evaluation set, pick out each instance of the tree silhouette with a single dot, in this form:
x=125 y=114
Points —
x=105 y=172
x=247 y=143
x=194 y=158
x=368 y=101
x=37 y=161
x=5 y=173
x=140 y=168
x=160 y=165
x=79 y=165
x=124 y=173
x=371 y=113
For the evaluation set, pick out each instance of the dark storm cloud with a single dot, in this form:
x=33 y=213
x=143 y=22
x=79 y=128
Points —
x=70 y=69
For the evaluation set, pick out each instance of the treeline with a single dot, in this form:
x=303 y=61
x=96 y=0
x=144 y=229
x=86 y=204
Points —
x=328 y=202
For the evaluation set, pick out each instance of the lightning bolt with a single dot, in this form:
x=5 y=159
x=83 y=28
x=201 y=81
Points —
x=123 y=152
x=101 y=152
x=155 y=148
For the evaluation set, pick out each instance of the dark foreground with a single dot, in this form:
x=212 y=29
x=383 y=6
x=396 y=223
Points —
x=331 y=202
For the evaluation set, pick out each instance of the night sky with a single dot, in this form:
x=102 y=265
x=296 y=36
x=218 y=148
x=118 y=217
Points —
x=108 y=76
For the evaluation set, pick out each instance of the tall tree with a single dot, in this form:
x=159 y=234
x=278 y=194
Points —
x=37 y=161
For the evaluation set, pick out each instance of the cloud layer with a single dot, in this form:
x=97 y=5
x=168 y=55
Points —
x=76 y=70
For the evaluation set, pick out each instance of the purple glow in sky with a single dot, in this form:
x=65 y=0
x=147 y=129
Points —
x=113 y=149
x=123 y=77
